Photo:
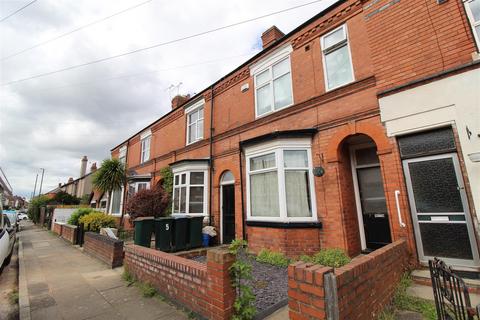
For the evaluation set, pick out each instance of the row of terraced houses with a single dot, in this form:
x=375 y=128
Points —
x=359 y=127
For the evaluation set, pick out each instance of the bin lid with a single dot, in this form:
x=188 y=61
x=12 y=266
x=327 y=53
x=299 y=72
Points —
x=183 y=216
x=143 y=218
x=164 y=218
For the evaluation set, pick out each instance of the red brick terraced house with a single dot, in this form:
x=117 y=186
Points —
x=289 y=150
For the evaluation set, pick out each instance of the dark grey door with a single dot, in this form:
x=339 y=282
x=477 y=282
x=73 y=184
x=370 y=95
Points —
x=228 y=213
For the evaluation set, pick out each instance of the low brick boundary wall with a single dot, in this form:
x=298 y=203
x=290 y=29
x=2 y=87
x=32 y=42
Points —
x=104 y=248
x=57 y=228
x=203 y=288
x=359 y=290
x=69 y=233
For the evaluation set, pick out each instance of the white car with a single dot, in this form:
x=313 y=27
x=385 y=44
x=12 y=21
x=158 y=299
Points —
x=7 y=240
x=22 y=216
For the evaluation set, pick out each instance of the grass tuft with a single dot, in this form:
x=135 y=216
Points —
x=13 y=296
x=147 y=289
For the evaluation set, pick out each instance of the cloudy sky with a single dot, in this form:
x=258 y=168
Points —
x=52 y=121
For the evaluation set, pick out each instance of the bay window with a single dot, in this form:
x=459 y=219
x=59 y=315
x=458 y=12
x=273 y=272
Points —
x=280 y=182
x=190 y=192
x=473 y=11
x=135 y=187
x=337 y=61
x=273 y=82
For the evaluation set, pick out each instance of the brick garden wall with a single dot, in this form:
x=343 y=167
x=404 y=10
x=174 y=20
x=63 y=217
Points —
x=69 y=233
x=364 y=286
x=57 y=228
x=202 y=288
x=104 y=248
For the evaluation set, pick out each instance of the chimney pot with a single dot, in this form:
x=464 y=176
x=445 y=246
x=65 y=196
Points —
x=270 y=36
x=93 y=167
x=70 y=179
x=179 y=100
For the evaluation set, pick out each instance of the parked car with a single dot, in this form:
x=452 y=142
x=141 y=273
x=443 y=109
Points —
x=13 y=217
x=22 y=216
x=7 y=239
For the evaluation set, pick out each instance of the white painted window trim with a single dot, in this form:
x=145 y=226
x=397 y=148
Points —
x=122 y=154
x=117 y=214
x=472 y=21
x=277 y=147
x=187 y=169
x=332 y=49
x=136 y=184
x=267 y=63
x=145 y=148
x=200 y=104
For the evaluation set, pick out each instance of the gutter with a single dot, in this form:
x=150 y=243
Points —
x=241 y=194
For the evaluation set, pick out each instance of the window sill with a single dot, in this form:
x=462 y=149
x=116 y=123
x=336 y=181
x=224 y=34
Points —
x=284 y=225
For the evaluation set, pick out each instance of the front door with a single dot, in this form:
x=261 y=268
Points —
x=440 y=211
x=228 y=213
x=370 y=198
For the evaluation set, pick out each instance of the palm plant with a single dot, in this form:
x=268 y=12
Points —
x=110 y=177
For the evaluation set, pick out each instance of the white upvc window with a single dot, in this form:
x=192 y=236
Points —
x=135 y=187
x=337 y=60
x=145 y=140
x=116 y=203
x=273 y=82
x=195 y=121
x=190 y=192
x=473 y=11
x=280 y=184
x=122 y=154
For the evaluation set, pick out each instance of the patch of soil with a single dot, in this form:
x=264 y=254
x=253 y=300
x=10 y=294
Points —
x=269 y=283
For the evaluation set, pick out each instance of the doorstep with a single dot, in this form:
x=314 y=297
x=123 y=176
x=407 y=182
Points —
x=422 y=277
x=426 y=292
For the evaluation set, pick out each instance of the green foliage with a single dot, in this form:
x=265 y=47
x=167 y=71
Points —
x=111 y=175
x=77 y=214
x=147 y=289
x=273 y=258
x=241 y=270
x=34 y=207
x=402 y=301
x=13 y=296
x=334 y=258
x=167 y=184
x=128 y=277
x=62 y=197
x=96 y=220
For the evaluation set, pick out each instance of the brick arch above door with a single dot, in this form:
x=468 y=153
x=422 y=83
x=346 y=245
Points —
x=374 y=131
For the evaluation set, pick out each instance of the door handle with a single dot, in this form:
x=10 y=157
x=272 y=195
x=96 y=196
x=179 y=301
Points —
x=397 y=202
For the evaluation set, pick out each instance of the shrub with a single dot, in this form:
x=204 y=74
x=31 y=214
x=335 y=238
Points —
x=167 y=184
x=273 y=258
x=65 y=198
x=96 y=220
x=147 y=203
x=334 y=258
x=35 y=205
x=77 y=214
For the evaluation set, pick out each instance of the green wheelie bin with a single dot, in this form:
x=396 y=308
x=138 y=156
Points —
x=195 y=232
x=180 y=233
x=163 y=234
x=143 y=231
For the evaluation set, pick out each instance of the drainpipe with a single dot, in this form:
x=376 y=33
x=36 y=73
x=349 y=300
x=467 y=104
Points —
x=211 y=160
x=125 y=189
x=241 y=194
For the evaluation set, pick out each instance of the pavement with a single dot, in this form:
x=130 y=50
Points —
x=58 y=281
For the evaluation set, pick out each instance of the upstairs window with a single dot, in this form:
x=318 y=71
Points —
x=145 y=146
x=337 y=61
x=122 y=154
x=195 y=122
x=473 y=12
x=273 y=82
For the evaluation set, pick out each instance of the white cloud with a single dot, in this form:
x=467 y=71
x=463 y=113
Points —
x=51 y=122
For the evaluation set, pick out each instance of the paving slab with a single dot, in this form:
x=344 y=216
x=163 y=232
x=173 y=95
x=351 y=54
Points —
x=60 y=282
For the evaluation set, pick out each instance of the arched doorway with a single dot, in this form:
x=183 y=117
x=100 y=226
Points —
x=227 y=207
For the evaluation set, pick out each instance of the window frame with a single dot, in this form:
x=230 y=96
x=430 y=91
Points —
x=333 y=48
x=188 y=170
x=265 y=64
x=472 y=22
x=190 y=110
x=122 y=154
x=278 y=147
x=110 y=206
x=144 y=137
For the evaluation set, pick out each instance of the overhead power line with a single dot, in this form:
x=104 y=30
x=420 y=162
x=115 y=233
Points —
x=74 y=30
x=157 y=45
x=18 y=10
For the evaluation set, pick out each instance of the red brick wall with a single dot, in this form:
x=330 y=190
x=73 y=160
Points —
x=69 y=233
x=203 y=288
x=57 y=228
x=104 y=248
x=364 y=286
x=291 y=242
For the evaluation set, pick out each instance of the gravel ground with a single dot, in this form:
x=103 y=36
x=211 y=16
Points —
x=269 y=283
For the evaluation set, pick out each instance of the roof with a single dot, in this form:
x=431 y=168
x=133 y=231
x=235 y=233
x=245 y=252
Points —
x=256 y=56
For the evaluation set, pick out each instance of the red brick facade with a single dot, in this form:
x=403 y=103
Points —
x=405 y=41
x=203 y=288
x=106 y=249
x=364 y=286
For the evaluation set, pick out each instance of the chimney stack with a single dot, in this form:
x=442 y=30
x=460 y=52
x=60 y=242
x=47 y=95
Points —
x=83 y=166
x=178 y=100
x=59 y=184
x=93 y=168
x=270 y=36
x=70 y=180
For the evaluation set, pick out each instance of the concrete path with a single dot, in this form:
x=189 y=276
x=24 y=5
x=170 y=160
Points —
x=60 y=282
